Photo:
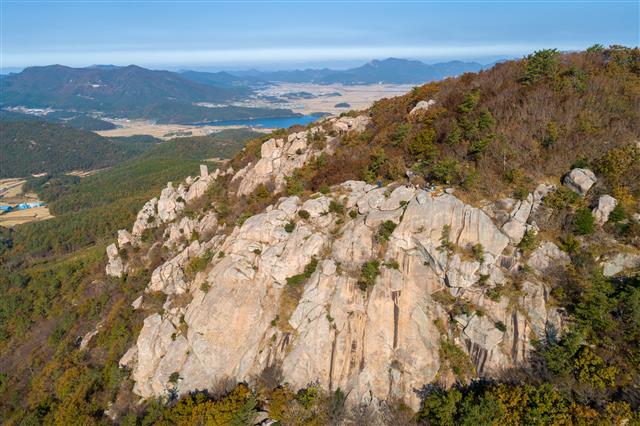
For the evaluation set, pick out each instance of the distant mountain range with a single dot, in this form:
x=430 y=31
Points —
x=391 y=70
x=191 y=96
x=130 y=91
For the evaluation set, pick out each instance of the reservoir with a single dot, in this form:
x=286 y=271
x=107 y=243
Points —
x=268 y=123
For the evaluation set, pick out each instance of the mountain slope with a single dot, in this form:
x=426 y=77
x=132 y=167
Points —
x=30 y=147
x=111 y=89
x=425 y=261
x=391 y=70
x=75 y=120
x=131 y=91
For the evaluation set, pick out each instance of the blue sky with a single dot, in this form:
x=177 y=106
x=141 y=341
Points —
x=283 y=34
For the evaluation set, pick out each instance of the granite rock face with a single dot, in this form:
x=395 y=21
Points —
x=270 y=295
x=376 y=344
x=279 y=157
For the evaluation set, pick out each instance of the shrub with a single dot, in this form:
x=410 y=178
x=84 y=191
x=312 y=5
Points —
x=174 y=377
x=528 y=241
x=454 y=136
x=500 y=326
x=368 y=274
x=294 y=185
x=470 y=102
x=540 y=64
x=447 y=170
x=495 y=294
x=392 y=264
x=303 y=214
x=617 y=214
x=198 y=264
x=583 y=223
x=336 y=207
x=290 y=226
x=306 y=274
x=353 y=214
x=445 y=243
x=478 y=252
x=561 y=198
x=385 y=230
x=422 y=146
x=486 y=120
x=456 y=359
x=550 y=135
x=400 y=134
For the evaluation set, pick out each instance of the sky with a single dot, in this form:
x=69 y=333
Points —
x=201 y=34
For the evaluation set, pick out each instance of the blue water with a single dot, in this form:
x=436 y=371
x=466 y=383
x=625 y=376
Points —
x=269 y=123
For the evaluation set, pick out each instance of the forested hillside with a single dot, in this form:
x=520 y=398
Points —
x=69 y=119
x=32 y=147
x=87 y=210
x=493 y=134
x=131 y=91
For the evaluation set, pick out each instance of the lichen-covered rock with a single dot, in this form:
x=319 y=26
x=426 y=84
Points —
x=580 y=180
x=606 y=204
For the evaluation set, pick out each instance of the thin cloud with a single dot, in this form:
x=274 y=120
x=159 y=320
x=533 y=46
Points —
x=172 y=57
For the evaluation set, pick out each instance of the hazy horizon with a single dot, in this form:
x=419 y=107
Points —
x=285 y=35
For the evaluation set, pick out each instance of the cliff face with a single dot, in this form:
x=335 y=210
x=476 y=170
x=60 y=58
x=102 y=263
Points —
x=352 y=289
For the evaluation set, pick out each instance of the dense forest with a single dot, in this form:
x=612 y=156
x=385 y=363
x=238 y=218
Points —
x=494 y=133
x=70 y=119
x=32 y=147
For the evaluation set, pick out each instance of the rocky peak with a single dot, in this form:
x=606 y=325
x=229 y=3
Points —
x=360 y=288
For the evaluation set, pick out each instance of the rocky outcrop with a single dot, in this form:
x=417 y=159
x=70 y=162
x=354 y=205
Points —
x=345 y=124
x=115 y=266
x=375 y=344
x=278 y=159
x=546 y=258
x=614 y=264
x=606 y=204
x=422 y=106
x=171 y=202
x=580 y=180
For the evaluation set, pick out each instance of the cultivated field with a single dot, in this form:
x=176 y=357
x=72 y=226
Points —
x=11 y=194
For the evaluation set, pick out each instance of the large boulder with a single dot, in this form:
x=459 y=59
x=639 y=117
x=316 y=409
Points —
x=115 y=266
x=546 y=258
x=620 y=262
x=606 y=204
x=422 y=106
x=580 y=180
x=171 y=202
x=147 y=218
